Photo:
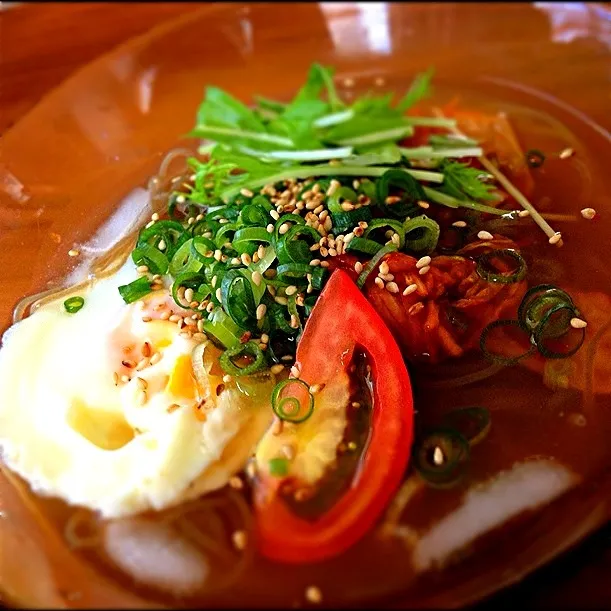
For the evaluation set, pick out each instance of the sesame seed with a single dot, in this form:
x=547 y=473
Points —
x=246 y=193
x=423 y=262
x=210 y=307
x=264 y=338
x=555 y=239
x=356 y=404
x=384 y=269
x=313 y=595
x=155 y=358
x=392 y=287
x=566 y=153
x=352 y=445
x=295 y=371
x=588 y=213
x=218 y=294
x=316 y=388
x=125 y=379
x=410 y=289
x=73 y=253
x=332 y=252
x=261 y=310
x=523 y=213
x=294 y=321
x=315 y=262
x=459 y=224
x=173 y=408
x=438 y=457
x=189 y=295
x=142 y=269
x=257 y=278
x=424 y=205
x=276 y=369
x=283 y=228
x=141 y=397
x=154 y=216
x=485 y=235
x=395 y=239
x=379 y=282
x=324 y=264
x=240 y=539
x=165 y=315
x=347 y=206
x=129 y=364
x=324 y=251
x=175 y=318
x=180 y=199
x=236 y=482
x=161 y=245
x=577 y=323
x=392 y=199
x=115 y=378
x=358 y=267
x=146 y=319
x=142 y=383
x=218 y=254
x=290 y=290
x=281 y=300
x=424 y=270
x=270 y=228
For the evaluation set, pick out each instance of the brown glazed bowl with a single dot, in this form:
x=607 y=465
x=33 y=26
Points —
x=67 y=164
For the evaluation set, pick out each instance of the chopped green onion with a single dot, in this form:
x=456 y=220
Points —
x=502 y=277
x=222 y=328
x=499 y=358
x=152 y=257
x=135 y=290
x=410 y=193
x=345 y=221
x=550 y=328
x=372 y=264
x=343 y=194
x=278 y=467
x=440 y=457
x=393 y=224
x=368 y=247
x=292 y=400
x=473 y=423
x=73 y=304
x=421 y=235
x=192 y=280
x=249 y=349
x=537 y=300
x=238 y=299
x=334 y=118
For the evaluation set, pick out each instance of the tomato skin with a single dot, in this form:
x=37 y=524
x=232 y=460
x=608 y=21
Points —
x=341 y=321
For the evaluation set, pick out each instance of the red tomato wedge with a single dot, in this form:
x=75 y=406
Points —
x=342 y=321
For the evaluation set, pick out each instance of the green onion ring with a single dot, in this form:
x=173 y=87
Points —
x=279 y=403
x=496 y=358
x=364 y=245
x=426 y=243
x=135 y=290
x=540 y=331
x=248 y=349
x=73 y=304
x=372 y=264
x=454 y=450
x=473 y=423
x=530 y=309
x=500 y=277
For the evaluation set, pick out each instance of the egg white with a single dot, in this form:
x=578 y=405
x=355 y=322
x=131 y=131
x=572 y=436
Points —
x=72 y=432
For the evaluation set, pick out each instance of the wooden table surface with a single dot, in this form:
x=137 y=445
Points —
x=42 y=44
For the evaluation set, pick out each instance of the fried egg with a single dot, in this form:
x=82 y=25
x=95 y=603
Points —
x=102 y=409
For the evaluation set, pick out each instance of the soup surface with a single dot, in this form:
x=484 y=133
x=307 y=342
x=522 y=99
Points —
x=550 y=422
